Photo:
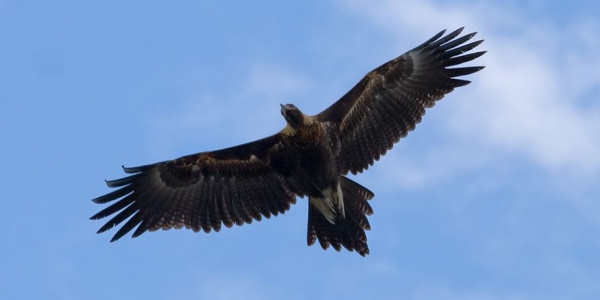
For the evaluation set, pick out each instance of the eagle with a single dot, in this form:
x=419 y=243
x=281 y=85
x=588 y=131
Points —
x=311 y=156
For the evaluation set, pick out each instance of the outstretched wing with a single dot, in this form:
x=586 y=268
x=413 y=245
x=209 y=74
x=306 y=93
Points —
x=199 y=191
x=390 y=100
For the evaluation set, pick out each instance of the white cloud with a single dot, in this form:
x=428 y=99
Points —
x=528 y=107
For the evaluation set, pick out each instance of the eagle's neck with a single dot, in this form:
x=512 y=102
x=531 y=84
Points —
x=292 y=128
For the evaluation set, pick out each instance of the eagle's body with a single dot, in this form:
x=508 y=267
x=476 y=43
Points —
x=310 y=168
x=309 y=157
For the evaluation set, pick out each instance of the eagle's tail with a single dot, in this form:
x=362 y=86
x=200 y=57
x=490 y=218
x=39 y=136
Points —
x=348 y=231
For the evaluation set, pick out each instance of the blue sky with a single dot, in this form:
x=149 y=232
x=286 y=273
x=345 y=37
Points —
x=494 y=196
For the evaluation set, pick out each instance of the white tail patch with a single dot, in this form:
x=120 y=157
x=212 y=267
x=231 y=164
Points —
x=325 y=207
x=340 y=200
x=331 y=204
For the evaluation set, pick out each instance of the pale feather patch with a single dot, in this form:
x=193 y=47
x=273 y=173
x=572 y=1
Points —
x=325 y=207
x=340 y=201
x=336 y=197
x=331 y=204
x=288 y=130
x=308 y=120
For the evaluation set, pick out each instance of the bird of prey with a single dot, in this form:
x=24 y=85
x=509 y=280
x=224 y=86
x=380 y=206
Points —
x=310 y=157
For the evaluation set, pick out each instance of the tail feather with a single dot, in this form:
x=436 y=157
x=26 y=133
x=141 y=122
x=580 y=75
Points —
x=348 y=231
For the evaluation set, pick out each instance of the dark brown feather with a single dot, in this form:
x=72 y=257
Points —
x=201 y=191
x=390 y=100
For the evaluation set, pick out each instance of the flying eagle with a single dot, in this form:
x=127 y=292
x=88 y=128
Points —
x=310 y=157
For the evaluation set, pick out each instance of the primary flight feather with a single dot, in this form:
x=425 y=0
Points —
x=309 y=157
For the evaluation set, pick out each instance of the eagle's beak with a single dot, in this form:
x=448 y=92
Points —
x=283 y=110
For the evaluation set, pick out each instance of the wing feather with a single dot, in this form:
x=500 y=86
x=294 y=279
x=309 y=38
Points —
x=225 y=204
x=201 y=191
x=391 y=100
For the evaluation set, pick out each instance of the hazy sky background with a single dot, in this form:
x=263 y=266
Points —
x=496 y=195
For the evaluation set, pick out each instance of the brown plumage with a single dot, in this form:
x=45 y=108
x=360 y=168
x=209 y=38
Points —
x=309 y=157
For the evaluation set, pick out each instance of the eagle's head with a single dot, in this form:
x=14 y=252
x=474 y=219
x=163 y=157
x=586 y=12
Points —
x=293 y=116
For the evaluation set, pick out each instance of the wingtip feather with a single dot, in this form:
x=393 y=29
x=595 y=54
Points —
x=130 y=170
x=121 y=181
x=456 y=72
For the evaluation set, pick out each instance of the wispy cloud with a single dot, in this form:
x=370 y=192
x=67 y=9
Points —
x=530 y=107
